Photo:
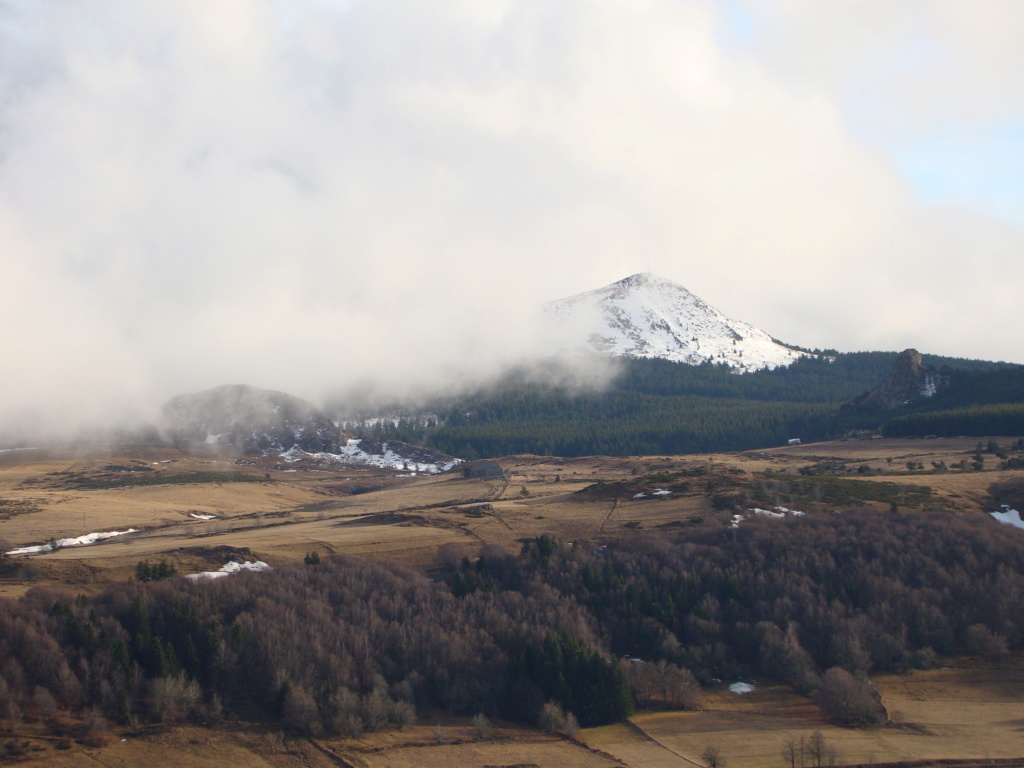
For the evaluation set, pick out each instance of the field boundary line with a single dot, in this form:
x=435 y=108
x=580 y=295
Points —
x=662 y=744
x=331 y=754
x=615 y=505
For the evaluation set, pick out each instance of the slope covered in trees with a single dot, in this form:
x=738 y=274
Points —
x=656 y=406
x=345 y=644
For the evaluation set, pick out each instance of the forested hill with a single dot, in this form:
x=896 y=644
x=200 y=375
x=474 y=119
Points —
x=653 y=406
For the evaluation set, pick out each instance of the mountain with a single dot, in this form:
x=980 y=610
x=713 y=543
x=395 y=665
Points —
x=647 y=316
x=908 y=383
x=250 y=419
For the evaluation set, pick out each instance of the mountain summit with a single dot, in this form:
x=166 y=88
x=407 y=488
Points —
x=645 y=315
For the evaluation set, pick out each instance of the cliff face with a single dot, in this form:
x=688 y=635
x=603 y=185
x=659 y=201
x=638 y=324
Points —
x=909 y=382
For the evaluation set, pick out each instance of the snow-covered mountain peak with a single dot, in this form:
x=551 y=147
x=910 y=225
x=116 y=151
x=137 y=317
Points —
x=646 y=315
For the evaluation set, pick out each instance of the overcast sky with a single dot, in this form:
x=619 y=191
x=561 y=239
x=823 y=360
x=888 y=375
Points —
x=301 y=193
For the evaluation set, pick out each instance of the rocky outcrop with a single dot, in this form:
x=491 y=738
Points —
x=909 y=382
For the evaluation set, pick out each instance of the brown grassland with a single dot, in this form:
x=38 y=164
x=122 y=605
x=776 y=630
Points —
x=966 y=709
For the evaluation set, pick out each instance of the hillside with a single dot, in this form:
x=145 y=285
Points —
x=659 y=406
x=249 y=419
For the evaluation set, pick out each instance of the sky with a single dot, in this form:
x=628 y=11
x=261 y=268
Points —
x=304 y=194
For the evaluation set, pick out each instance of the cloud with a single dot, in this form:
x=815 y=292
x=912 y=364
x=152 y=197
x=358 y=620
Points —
x=301 y=195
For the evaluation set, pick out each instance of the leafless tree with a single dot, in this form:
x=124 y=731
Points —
x=551 y=717
x=663 y=684
x=848 y=700
x=481 y=726
x=300 y=712
x=171 y=699
x=712 y=756
x=817 y=749
x=44 y=703
x=12 y=715
x=984 y=642
x=792 y=752
x=570 y=725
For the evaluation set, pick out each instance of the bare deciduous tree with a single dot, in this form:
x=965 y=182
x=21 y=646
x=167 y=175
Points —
x=172 y=699
x=481 y=726
x=817 y=749
x=712 y=756
x=848 y=700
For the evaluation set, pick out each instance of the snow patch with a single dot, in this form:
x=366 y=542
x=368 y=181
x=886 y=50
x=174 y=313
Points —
x=352 y=453
x=198 y=516
x=777 y=512
x=228 y=569
x=1008 y=516
x=78 y=541
x=661 y=492
x=742 y=687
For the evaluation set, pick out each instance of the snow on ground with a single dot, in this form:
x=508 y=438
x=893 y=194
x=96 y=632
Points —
x=351 y=453
x=12 y=450
x=793 y=512
x=89 y=538
x=657 y=493
x=1008 y=516
x=742 y=687
x=198 y=516
x=776 y=513
x=228 y=569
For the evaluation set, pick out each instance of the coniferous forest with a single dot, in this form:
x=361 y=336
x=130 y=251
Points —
x=659 y=407
x=342 y=645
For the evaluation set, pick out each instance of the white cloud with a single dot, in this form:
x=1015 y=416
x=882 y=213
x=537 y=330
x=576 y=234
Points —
x=302 y=194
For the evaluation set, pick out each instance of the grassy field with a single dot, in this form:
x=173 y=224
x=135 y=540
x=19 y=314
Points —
x=971 y=711
x=280 y=514
x=261 y=510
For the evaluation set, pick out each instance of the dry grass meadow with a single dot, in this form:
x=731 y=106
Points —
x=964 y=711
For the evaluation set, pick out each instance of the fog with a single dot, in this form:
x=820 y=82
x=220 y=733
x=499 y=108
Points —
x=310 y=195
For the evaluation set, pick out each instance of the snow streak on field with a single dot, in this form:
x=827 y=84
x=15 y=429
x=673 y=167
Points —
x=89 y=538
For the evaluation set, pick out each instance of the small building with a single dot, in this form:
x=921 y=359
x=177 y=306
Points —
x=486 y=469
